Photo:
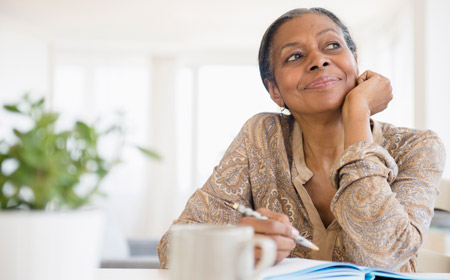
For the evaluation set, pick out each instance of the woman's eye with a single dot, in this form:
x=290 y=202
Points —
x=332 y=46
x=294 y=57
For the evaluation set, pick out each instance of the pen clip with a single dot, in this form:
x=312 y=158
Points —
x=231 y=205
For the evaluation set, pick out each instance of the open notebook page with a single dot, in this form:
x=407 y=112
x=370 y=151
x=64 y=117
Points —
x=290 y=265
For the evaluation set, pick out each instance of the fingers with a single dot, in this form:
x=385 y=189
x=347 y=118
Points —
x=277 y=227
x=284 y=246
x=367 y=75
x=372 y=75
x=363 y=77
x=277 y=224
x=373 y=91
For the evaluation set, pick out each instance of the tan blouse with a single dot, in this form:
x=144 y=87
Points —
x=382 y=208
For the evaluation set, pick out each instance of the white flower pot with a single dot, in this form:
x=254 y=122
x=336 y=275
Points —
x=43 y=245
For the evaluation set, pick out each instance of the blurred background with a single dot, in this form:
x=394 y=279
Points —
x=184 y=73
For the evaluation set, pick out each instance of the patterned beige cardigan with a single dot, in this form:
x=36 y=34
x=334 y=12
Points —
x=384 y=201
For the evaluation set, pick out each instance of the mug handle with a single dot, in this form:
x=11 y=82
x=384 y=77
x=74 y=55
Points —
x=268 y=248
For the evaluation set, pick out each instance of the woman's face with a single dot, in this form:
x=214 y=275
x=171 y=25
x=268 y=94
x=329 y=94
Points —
x=313 y=67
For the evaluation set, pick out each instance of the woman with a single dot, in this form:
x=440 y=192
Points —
x=361 y=190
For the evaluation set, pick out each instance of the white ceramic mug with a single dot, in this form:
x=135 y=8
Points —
x=219 y=252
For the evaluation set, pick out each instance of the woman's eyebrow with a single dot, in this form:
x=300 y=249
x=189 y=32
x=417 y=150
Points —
x=327 y=30
x=292 y=44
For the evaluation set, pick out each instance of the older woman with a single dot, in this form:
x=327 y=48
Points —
x=363 y=191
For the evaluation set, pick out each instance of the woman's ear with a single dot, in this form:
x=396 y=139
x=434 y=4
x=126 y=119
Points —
x=274 y=92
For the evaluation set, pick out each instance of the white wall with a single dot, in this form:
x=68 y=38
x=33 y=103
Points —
x=23 y=61
x=386 y=48
x=437 y=71
x=23 y=66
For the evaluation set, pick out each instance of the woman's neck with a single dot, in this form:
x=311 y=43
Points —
x=323 y=139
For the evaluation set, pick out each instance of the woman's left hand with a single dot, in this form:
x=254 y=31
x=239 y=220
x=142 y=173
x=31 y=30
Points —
x=371 y=95
x=372 y=92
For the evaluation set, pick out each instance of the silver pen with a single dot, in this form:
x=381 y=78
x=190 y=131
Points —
x=252 y=213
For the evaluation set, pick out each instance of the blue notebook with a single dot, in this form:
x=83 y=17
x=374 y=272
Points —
x=304 y=269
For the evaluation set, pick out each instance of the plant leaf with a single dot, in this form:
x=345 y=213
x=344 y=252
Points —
x=18 y=133
x=149 y=153
x=39 y=103
x=86 y=132
x=47 y=119
x=12 y=108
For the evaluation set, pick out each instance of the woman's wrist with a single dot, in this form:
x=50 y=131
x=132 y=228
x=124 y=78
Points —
x=356 y=119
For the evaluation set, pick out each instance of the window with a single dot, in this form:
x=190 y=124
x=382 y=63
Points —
x=225 y=97
x=95 y=88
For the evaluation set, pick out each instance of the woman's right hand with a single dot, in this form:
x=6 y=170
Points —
x=277 y=227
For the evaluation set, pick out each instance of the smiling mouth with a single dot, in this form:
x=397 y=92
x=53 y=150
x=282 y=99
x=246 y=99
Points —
x=323 y=82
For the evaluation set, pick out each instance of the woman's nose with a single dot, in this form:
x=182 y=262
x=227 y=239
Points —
x=318 y=61
x=319 y=65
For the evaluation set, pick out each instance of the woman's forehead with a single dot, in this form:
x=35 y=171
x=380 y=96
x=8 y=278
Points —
x=307 y=25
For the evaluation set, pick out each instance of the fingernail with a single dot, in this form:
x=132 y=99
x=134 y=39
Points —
x=295 y=232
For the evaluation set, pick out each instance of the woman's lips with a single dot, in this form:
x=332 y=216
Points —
x=323 y=82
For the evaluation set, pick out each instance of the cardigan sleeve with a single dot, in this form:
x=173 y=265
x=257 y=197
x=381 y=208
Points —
x=229 y=182
x=385 y=205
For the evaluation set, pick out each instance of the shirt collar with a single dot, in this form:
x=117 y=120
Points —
x=304 y=173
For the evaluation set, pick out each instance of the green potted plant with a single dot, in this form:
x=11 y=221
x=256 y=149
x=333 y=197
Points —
x=47 y=180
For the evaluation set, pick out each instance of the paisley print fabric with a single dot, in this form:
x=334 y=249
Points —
x=384 y=200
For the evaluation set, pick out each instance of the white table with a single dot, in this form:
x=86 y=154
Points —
x=160 y=274
x=132 y=274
